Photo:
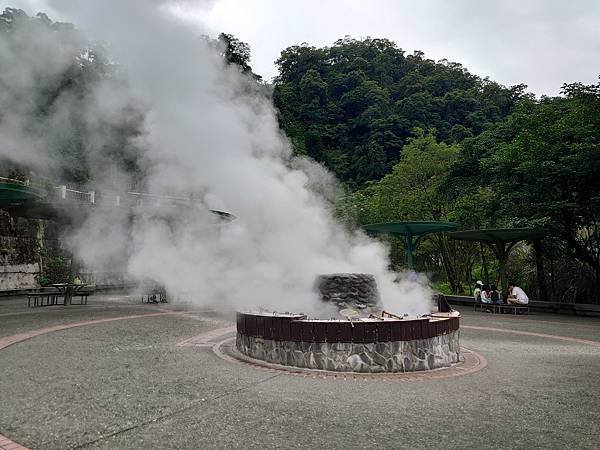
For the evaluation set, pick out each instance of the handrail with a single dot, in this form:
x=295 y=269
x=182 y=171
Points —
x=91 y=196
x=14 y=181
x=72 y=190
x=167 y=197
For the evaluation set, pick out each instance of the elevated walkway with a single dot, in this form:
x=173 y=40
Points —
x=35 y=201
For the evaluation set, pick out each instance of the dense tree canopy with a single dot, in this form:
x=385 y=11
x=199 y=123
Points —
x=418 y=140
x=413 y=191
x=235 y=52
x=354 y=105
x=543 y=164
x=51 y=79
x=539 y=166
x=63 y=100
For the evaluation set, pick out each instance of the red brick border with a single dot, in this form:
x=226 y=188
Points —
x=7 y=444
x=473 y=362
x=15 y=338
x=530 y=333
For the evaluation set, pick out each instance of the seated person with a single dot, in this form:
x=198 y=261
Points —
x=485 y=295
x=516 y=295
x=477 y=290
x=495 y=295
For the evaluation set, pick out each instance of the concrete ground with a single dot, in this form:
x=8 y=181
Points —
x=128 y=384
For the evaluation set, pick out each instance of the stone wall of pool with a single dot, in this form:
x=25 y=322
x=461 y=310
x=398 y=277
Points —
x=371 y=346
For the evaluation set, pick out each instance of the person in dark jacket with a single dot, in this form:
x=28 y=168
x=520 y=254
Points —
x=495 y=295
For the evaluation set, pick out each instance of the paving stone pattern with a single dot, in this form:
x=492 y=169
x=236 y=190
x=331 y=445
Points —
x=125 y=384
x=393 y=356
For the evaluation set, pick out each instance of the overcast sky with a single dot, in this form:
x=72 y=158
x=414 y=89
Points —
x=542 y=43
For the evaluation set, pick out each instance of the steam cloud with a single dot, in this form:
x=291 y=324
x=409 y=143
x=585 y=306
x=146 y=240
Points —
x=209 y=132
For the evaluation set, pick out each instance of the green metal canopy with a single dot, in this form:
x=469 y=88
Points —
x=504 y=235
x=13 y=192
x=413 y=232
x=501 y=241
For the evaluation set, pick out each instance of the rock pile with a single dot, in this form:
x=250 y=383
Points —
x=348 y=290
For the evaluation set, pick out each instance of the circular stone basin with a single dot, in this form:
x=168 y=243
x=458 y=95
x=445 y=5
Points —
x=362 y=345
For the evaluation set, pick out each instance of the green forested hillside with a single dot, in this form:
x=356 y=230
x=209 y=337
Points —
x=53 y=83
x=51 y=77
x=355 y=104
x=414 y=139
x=537 y=167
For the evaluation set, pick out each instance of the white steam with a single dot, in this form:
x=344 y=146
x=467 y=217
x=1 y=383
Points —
x=209 y=132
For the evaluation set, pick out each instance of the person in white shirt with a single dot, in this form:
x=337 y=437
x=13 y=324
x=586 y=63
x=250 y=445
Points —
x=485 y=294
x=516 y=295
x=477 y=290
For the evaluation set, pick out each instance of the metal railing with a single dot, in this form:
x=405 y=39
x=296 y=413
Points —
x=71 y=193
x=79 y=194
x=14 y=181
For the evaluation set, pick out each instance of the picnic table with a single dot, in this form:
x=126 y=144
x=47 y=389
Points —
x=42 y=297
x=51 y=295
x=68 y=290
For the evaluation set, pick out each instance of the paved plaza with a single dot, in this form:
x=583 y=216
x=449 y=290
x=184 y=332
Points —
x=121 y=374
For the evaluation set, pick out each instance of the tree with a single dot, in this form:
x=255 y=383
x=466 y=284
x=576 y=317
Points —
x=412 y=191
x=365 y=97
x=236 y=52
x=540 y=166
x=51 y=80
x=548 y=172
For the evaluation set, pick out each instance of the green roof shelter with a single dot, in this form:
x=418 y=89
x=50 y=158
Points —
x=413 y=232
x=501 y=241
x=13 y=192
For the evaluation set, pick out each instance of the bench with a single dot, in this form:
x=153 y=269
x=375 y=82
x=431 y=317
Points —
x=83 y=294
x=43 y=298
x=583 y=309
x=51 y=297
x=478 y=304
x=500 y=307
x=37 y=299
x=514 y=309
x=155 y=296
